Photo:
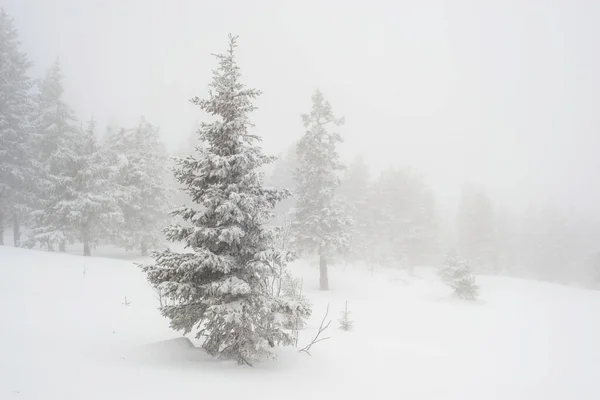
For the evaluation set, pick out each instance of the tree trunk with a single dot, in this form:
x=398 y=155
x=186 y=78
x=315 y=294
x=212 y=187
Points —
x=62 y=246
x=144 y=248
x=85 y=238
x=16 y=231
x=323 y=278
x=50 y=246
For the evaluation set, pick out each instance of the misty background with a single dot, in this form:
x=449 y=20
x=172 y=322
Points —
x=144 y=235
x=497 y=93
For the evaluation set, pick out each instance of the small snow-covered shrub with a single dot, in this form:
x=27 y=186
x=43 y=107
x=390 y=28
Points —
x=291 y=289
x=457 y=274
x=346 y=324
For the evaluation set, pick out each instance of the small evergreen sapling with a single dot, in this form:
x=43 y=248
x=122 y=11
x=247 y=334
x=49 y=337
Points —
x=346 y=324
x=456 y=273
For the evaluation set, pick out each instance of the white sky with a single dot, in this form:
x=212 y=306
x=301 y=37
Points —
x=503 y=92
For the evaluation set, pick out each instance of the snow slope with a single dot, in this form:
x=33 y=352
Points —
x=67 y=334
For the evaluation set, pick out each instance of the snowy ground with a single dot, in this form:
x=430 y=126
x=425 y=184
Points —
x=67 y=334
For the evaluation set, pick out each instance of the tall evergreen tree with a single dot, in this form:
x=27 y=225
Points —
x=57 y=133
x=142 y=177
x=320 y=223
x=85 y=207
x=94 y=208
x=16 y=169
x=55 y=124
x=223 y=283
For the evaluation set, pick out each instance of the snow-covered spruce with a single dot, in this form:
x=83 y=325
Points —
x=16 y=139
x=223 y=284
x=84 y=207
x=57 y=146
x=456 y=273
x=346 y=323
x=320 y=223
x=141 y=160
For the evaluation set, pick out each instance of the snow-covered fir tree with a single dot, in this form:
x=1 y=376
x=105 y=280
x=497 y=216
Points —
x=223 y=284
x=320 y=223
x=16 y=169
x=55 y=122
x=457 y=274
x=57 y=135
x=86 y=208
x=94 y=207
x=142 y=177
x=346 y=323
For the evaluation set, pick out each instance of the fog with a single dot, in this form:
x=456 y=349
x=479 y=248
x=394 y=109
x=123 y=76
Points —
x=435 y=191
x=502 y=93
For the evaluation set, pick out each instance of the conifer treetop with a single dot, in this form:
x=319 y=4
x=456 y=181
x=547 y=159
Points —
x=228 y=165
x=231 y=100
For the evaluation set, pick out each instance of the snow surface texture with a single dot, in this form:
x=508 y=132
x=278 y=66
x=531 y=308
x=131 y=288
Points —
x=67 y=333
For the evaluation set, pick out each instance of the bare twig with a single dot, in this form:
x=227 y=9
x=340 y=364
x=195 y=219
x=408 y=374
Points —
x=242 y=361
x=317 y=339
x=126 y=302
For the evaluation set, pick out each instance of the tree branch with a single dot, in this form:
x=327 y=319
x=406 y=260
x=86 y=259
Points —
x=316 y=339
